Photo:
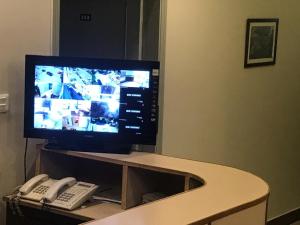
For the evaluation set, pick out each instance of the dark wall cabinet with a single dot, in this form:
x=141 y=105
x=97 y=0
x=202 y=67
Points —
x=109 y=28
x=93 y=28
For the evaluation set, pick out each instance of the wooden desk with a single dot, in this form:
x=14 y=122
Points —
x=199 y=193
x=228 y=196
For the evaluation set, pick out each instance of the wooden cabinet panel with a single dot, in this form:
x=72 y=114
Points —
x=254 y=215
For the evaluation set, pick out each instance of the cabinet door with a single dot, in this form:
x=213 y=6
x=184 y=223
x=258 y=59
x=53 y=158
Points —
x=38 y=217
x=254 y=215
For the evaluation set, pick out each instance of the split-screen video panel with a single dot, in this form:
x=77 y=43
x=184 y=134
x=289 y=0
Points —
x=82 y=99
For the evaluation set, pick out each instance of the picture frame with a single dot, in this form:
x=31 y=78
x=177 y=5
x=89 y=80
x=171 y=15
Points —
x=261 y=42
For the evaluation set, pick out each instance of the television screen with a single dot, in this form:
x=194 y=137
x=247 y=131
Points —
x=94 y=101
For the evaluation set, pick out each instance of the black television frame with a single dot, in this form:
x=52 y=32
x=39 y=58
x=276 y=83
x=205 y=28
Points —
x=87 y=141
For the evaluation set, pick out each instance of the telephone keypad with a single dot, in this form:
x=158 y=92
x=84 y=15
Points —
x=65 y=197
x=41 y=190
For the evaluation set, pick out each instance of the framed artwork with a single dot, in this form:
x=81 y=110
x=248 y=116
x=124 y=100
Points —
x=261 y=42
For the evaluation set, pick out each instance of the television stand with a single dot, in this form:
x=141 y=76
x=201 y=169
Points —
x=194 y=192
x=87 y=146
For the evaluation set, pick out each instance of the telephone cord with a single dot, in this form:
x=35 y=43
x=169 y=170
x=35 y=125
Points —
x=25 y=160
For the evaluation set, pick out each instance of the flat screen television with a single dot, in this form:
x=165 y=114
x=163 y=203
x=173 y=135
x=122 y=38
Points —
x=90 y=104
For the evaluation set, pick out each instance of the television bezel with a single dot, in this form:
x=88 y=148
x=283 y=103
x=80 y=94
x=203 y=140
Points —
x=148 y=138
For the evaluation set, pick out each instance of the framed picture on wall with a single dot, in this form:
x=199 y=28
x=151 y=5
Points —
x=261 y=42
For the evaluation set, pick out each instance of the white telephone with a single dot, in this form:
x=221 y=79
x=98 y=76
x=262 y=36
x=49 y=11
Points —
x=66 y=193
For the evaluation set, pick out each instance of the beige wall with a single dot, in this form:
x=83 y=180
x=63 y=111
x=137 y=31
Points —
x=25 y=28
x=217 y=111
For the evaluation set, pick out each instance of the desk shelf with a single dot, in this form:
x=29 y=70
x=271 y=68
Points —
x=117 y=178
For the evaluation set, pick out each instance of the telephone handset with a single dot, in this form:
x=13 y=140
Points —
x=66 y=193
x=52 y=193
x=29 y=185
x=36 y=188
